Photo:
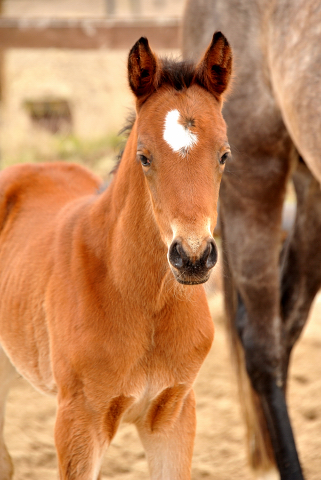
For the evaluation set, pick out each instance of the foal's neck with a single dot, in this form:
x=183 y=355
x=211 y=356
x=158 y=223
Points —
x=138 y=256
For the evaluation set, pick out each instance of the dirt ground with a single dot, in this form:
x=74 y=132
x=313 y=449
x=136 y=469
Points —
x=219 y=451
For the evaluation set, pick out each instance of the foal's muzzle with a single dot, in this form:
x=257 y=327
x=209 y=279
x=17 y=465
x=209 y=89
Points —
x=189 y=268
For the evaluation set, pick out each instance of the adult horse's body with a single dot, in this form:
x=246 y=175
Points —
x=96 y=303
x=274 y=119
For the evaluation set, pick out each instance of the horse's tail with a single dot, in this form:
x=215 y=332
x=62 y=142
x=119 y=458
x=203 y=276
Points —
x=259 y=448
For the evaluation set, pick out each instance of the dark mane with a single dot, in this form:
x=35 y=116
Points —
x=178 y=75
x=124 y=132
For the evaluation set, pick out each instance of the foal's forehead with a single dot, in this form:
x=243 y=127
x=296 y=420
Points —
x=183 y=118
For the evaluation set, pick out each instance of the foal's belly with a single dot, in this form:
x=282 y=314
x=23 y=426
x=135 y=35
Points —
x=31 y=359
x=23 y=328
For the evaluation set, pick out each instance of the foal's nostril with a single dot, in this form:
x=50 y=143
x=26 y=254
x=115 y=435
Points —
x=175 y=256
x=181 y=261
x=210 y=254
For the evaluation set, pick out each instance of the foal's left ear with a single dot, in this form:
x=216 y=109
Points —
x=142 y=69
x=214 y=70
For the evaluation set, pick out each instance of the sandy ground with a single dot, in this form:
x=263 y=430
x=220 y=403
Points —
x=219 y=451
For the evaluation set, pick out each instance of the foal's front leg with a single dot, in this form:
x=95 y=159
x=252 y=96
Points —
x=167 y=433
x=79 y=448
x=83 y=431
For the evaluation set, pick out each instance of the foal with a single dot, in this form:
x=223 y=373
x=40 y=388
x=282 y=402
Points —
x=96 y=303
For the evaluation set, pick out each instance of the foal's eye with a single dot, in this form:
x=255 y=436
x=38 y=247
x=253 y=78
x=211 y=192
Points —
x=144 y=160
x=224 y=157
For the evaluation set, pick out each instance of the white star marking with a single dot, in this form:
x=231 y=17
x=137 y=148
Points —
x=178 y=137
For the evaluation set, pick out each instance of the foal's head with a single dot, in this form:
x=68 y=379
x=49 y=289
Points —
x=182 y=148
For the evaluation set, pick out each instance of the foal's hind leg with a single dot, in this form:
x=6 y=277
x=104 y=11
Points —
x=7 y=376
x=300 y=266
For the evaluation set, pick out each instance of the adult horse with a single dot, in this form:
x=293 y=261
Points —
x=274 y=117
x=101 y=301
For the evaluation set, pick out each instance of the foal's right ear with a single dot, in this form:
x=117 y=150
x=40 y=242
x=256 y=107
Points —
x=142 y=69
x=214 y=70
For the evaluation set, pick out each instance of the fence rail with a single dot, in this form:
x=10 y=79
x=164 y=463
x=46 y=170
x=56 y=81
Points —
x=87 y=33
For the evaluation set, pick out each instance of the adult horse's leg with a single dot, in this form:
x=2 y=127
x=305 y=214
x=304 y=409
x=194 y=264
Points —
x=275 y=96
x=169 y=440
x=259 y=448
x=294 y=81
x=7 y=376
x=300 y=279
x=300 y=272
x=252 y=246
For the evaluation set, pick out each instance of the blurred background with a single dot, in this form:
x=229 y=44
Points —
x=70 y=103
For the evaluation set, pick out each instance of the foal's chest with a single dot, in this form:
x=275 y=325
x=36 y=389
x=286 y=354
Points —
x=164 y=376
x=174 y=349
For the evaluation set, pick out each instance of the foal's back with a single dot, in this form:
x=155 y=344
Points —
x=45 y=188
